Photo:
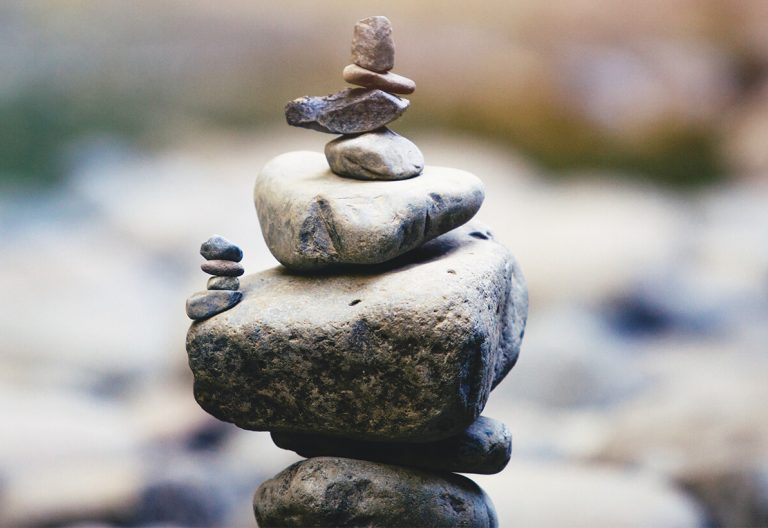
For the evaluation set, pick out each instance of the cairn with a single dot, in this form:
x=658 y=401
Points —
x=222 y=260
x=373 y=350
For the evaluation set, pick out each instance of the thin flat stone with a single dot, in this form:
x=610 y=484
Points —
x=389 y=82
x=378 y=155
x=484 y=447
x=219 y=248
x=223 y=268
x=350 y=111
x=339 y=492
x=312 y=219
x=405 y=351
x=223 y=283
x=205 y=304
x=372 y=44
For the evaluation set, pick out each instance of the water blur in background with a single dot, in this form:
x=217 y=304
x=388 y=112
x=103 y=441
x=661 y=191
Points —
x=624 y=146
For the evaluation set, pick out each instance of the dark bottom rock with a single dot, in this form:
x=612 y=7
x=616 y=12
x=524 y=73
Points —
x=205 y=304
x=484 y=447
x=341 y=492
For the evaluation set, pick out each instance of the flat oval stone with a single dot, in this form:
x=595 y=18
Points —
x=350 y=111
x=205 y=304
x=222 y=268
x=339 y=492
x=405 y=351
x=378 y=155
x=484 y=447
x=389 y=82
x=223 y=283
x=312 y=219
x=219 y=248
x=372 y=44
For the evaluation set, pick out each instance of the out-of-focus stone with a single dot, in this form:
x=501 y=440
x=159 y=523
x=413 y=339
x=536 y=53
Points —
x=378 y=155
x=350 y=111
x=223 y=268
x=484 y=447
x=388 y=82
x=340 y=492
x=406 y=351
x=205 y=304
x=312 y=219
x=372 y=44
x=219 y=248
x=223 y=283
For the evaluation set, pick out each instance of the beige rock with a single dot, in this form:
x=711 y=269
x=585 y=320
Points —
x=388 y=82
x=372 y=44
x=378 y=155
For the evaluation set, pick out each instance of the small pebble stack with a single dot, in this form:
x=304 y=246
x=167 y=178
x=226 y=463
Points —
x=373 y=349
x=222 y=260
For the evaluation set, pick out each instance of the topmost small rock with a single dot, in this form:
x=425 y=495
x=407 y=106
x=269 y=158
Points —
x=372 y=44
x=219 y=248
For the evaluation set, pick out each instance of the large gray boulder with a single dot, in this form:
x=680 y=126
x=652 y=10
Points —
x=406 y=351
x=312 y=219
x=340 y=492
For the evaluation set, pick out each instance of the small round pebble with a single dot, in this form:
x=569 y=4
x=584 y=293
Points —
x=378 y=155
x=224 y=283
x=223 y=268
x=219 y=248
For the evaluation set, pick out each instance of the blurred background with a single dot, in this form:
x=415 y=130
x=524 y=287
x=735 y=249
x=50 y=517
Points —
x=624 y=146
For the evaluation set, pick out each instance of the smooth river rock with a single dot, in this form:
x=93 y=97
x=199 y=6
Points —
x=350 y=111
x=378 y=155
x=205 y=304
x=222 y=268
x=389 y=82
x=340 y=492
x=405 y=351
x=313 y=219
x=372 y=45
x=219 y=248
x=223 y=283
x=484 y=447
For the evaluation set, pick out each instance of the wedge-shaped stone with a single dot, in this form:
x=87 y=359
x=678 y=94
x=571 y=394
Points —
x=483 y=447
x=339 y=492
x=313 y=219
x=403 y=351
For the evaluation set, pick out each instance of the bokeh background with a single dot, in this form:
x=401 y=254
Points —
x=624 y=146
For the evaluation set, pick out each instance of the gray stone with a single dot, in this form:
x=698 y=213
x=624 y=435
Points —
x=223 y=283
x=222 y=268
x=389 y=82
x=350 y=111
x=484 y=447
x=378 y=155
x=312 y=219
x=404 y=351
x=372 y=44
x=339 y=492
x=205 y=304
x=219 y=248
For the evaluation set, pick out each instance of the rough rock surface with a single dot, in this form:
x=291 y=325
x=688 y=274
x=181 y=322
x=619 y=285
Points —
x=312 y=219
x=350 y=111
x=222 y=268
x=484 y=447
x=223 y=283
x=372 y=44
x=205 y=304
x=389 y=82
x=404 y=351
x=378 y=155
x=219 y=248
x=339 y=492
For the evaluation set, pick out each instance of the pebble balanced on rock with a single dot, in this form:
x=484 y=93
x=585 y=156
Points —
x=222 y=261
x=374 y=350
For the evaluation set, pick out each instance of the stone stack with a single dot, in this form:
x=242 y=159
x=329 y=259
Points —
x=373 y=350
x=222 y=260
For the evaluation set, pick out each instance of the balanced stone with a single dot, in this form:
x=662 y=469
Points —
x=484 y=447
x=350 y=111
x=372 y=44
x=224 y=268
x=339 y=492
x=405 y=351
x=389 y=82
x=205 y=304
x=219 y=248
x=378 y=155
x=223 y=283
x=312 y=219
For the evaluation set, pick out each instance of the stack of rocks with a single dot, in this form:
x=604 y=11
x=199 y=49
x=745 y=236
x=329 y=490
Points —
x=374 y=348
x=222 y=260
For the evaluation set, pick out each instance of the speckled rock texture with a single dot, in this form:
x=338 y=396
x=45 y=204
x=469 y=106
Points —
x=372 y=45
x=404 y=351
x=205 y=304
x=223 y=283
x=313 y=219
x=484 y=447
x=340 y=492
x=388 y=82
x=350 y=111
x=378 y=155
